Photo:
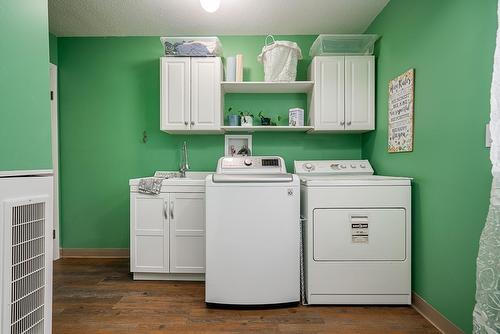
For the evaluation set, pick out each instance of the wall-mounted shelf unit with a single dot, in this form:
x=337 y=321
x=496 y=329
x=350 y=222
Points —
x=267 y=87
x=279 y=128
x=340 y=96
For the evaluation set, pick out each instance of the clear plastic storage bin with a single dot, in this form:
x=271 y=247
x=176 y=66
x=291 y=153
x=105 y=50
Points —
x=330 y=45
x=192 y=46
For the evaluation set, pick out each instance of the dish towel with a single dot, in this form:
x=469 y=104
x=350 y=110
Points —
x=150 y=185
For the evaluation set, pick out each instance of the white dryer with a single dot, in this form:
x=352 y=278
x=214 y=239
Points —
x=252 y=233
x=357 y=233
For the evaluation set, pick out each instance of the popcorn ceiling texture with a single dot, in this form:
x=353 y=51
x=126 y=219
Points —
x=186 y=17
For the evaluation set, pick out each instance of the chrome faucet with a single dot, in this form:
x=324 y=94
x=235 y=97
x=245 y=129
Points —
x=184 y=161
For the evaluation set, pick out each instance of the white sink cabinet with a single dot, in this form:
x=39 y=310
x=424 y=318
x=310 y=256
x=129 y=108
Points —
x=167 y=231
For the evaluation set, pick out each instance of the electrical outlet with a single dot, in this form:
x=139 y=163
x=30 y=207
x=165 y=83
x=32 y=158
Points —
x=488 y=136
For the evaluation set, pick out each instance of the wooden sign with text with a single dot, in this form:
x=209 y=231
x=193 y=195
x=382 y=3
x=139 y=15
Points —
x=400 y=117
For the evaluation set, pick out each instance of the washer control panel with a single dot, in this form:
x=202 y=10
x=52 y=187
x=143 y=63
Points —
x=333 y=167
x=251 y=165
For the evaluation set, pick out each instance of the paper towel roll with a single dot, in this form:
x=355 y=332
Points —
x=231 y=69
x=239 y=68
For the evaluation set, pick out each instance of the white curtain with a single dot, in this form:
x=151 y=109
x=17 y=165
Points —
x=486 y=315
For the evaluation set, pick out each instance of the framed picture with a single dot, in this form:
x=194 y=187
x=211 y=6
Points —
x=238 y=145
x=400 y=112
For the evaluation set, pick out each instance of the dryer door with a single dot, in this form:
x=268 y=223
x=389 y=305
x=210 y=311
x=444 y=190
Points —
x=359 y=234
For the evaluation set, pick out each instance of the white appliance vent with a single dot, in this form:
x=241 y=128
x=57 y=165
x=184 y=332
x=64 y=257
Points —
x=27 y=288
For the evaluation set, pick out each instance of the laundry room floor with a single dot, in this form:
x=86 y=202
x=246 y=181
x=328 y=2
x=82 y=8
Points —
x=99 y=296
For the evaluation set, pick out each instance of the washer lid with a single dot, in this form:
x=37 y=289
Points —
x=354 y=180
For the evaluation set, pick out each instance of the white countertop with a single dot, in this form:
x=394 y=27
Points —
x=191 y=179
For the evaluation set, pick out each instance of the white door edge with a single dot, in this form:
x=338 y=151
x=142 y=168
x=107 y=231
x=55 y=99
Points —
x=55 y=158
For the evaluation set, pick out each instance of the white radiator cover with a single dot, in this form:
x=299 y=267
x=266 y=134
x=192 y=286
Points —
x=26 y=254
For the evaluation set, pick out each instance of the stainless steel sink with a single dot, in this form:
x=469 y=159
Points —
x=192 y=178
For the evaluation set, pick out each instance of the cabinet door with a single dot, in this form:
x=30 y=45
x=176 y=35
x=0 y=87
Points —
x=149 y=234
x=187 y=232
x=175 y=93
x=328 y=95
x=359 y=93
x=206 y=76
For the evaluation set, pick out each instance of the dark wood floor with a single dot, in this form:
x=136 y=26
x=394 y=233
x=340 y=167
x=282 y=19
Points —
x=99 y=296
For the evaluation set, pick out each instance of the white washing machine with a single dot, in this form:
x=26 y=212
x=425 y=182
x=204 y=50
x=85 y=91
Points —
x=252 y=233
x=357 y=233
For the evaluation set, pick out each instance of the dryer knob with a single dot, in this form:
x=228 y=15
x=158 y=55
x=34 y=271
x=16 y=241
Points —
x=308 y=166
x=343 y=166
x=247 y=162
x=353 y=166
x=362 y=166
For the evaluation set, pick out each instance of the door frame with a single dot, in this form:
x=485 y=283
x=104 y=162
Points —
x=55 y=157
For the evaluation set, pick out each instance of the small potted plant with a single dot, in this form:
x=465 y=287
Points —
x=263 y=119
x=275 y=123
x=246 y=119
x=234 y=119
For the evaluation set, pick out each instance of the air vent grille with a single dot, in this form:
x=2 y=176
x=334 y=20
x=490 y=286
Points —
x=28 y=268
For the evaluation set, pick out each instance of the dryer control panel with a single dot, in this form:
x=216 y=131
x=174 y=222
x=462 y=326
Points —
x=333 y=167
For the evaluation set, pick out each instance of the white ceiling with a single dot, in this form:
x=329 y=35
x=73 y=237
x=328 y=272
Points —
x=186 y=17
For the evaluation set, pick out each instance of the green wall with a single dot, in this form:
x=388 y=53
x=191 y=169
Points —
x=53 y=49
x=450 y=44
x=109 y=94
x=24 y=86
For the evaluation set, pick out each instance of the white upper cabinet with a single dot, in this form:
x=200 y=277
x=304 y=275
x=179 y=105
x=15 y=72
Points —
x=343 y=95
x=206 y=77
x=175 y=93
x=328 y=93
x=359 y=93
x=190 y=94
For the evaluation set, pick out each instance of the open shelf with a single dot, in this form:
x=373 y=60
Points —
x=279 y=128
x=267 y=87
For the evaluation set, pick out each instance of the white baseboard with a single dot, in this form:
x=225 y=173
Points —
x=95 y=252
x=439 y=321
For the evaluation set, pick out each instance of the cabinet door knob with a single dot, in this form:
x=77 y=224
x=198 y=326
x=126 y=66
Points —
x=186 y=123
x=348 y=123
x=192 y=122
x=172 y=210
x=342 y=122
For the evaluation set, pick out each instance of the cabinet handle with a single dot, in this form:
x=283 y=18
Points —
x=165 y=212
x=342 y=123
x=172 y=210
x=348 y=123
x=192 y=122
x=186 y=123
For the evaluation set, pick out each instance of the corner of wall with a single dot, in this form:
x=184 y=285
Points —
x=53 y=49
